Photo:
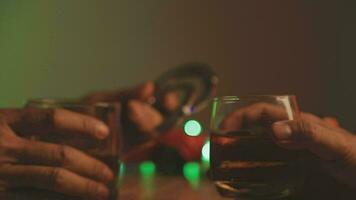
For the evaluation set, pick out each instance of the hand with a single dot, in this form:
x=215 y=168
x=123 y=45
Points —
x=140 y=111
x=54 y=167
x=145 y=119
x=335 y=146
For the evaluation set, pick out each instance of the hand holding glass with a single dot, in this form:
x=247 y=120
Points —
x=245 y=161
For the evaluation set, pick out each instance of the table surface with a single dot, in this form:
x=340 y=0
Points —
x=167 y=187
x=136 y=186
x=156 y=187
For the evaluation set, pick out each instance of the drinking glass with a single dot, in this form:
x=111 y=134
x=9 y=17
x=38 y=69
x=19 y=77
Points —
x=106 y=150
x=246 y=162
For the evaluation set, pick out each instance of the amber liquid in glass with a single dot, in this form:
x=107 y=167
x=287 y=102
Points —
x=248 y=166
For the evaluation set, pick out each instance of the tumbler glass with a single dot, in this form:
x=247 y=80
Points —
x=246 y=162
x=106 y=150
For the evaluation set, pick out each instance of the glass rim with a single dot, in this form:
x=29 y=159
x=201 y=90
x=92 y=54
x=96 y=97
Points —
x=67 y=103
x=237 y=98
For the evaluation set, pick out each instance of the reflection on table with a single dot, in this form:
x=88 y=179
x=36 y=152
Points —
x=149 y=184
x=145 y=182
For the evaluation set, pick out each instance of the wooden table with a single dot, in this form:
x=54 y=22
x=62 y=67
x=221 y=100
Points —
x=167 y=188
x=134 y=186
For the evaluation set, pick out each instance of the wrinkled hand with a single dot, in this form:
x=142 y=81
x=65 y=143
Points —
x=335 y=146
x=54 y=167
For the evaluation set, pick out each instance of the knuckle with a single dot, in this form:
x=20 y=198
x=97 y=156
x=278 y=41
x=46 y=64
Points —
x=86 y=125
x=98 y=168
x=54 y=177
x=9 y=143
x=89 y=124
x=21 y=150
x=91 y=186
x=92 y=189
x=304 y=126
x=63 y=154
x=308 y=130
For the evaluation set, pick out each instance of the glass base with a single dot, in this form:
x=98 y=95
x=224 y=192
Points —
x=229 y=191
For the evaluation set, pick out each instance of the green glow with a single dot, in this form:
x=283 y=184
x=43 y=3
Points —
x=191 y=171
x=147 y=168
x=214 y=110
x=192 y=128
x=147 y=183
x=122 y=169
x=205 y=152
x=121 y=172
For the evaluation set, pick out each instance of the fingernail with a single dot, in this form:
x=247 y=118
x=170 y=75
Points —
x=101 y=130
x=282 y=131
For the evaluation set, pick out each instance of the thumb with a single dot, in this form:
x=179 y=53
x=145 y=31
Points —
x=144 y=116
x=311 y=133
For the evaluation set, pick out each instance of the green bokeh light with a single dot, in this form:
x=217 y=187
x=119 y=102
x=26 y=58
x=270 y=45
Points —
x=122 y=169
x=121 y=172
x=191 y=171
x=147 y=168
x=192 y=128
x=205 y=152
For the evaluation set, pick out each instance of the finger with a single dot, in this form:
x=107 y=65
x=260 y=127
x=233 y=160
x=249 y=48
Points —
x=254 y=114
x=9 y=143
x=307 y=132
x=32 y=120
x=144 y=116
x=54 y=179
x=332 y=121
x=171 y=101
x=65 y=120
x=40 y=153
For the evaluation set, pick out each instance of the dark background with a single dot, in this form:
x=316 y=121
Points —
x=68 y=48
